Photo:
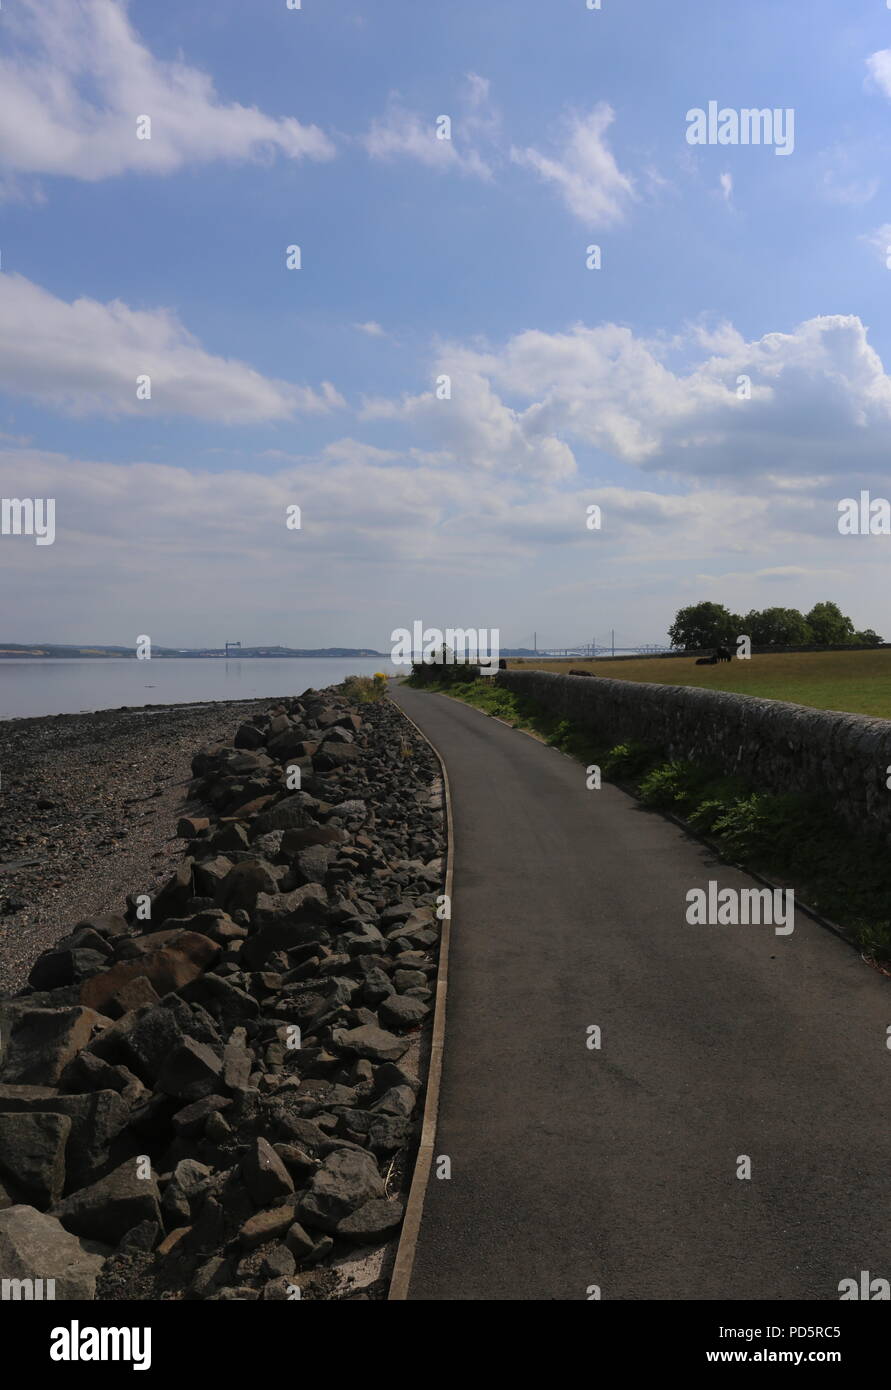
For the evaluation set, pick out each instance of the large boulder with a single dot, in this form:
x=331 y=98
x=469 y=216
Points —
x=96 y=1120
x=42 y=1042
x=191 y=1072
x=347 y=1180
x=111 y=1207
x=32 y=1154
x=36 y=1246
x=181 y=958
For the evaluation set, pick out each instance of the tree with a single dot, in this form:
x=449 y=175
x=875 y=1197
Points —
x=830 y=626
x=868 y=638
x=704 y=625
x=777 y=627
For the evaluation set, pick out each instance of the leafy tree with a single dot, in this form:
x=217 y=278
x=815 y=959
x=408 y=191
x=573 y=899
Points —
x=868 y=638
x=704 y=625
x=777 y=627
x=829 y=625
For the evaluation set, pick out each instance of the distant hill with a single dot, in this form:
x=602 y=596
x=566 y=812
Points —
x=11 y=650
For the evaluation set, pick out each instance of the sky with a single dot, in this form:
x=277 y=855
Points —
x=451 y=378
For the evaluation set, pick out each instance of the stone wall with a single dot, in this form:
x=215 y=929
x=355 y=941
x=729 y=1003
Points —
x=689 y=652
x=779 y=747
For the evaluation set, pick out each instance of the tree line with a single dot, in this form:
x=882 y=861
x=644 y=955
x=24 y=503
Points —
x=711 y=625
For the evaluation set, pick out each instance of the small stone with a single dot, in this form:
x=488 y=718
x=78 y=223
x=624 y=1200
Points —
x=299 y=1242
x=267 y=1225
x=265 y=1176
x=278 y=1263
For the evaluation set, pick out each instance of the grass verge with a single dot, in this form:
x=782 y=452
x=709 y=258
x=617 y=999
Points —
x=792 y=839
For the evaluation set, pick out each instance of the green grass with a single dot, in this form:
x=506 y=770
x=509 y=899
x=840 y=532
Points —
x=794 y=839
x=858 y=682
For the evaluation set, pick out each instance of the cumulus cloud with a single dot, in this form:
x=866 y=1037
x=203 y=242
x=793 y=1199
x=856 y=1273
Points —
x=85 y=357
x=819 y=399
x=77 y=77
x=584 y=169
x=474 y=427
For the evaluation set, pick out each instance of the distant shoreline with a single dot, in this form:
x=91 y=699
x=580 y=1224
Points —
x=167 y=654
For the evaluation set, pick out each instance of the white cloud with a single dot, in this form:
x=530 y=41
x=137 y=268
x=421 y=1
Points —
x=406 y=134
x=878 y=66
x=84 y=358
x=372 y=329
x=474 y=428
x=585 y=171
x=726 y=182
x=820 y=396
x=385 y=540
x=880 y=240
x=71 y=93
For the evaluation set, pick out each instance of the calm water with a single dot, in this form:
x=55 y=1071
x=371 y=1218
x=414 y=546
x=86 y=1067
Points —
x=36 y=685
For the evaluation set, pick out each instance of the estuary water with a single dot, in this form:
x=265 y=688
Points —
x=31 y=686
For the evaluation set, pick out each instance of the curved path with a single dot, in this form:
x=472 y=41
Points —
x=573 y=1167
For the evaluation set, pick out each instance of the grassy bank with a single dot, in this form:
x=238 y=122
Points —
x=858 y=682
x=794 y=840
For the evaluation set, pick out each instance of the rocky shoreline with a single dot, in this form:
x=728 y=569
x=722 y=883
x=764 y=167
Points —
x=216 y=1095
x=88 y=810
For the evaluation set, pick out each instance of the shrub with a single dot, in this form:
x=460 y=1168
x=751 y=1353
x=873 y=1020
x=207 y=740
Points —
x=364 y=689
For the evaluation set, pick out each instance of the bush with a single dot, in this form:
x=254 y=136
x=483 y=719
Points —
x=362 y=690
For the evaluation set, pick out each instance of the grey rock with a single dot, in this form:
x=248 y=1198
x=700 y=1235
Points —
x=374 y=1221
x=111 y=1207
x=96 y=1120
x=35 y=1246
x=191 y=1072
x=265 y=1176
x=346 y=1181
x=299 y=1242
x=370 y=1041
x=402 y=1011
x=42 y=1042
x=32 y=1154
x=191 y=1121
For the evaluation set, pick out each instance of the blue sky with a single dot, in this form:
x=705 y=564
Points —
x=423 y=257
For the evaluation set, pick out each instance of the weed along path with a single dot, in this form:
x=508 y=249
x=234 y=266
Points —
x=728 y=1139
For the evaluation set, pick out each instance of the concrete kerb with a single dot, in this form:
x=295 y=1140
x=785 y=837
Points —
x=414 y=1209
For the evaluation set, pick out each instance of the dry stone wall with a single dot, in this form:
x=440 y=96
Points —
x=779 y=746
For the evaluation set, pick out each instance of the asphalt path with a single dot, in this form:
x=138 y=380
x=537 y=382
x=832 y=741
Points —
x=574 y=1166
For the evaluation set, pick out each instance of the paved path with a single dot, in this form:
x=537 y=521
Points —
x=574 y=1167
